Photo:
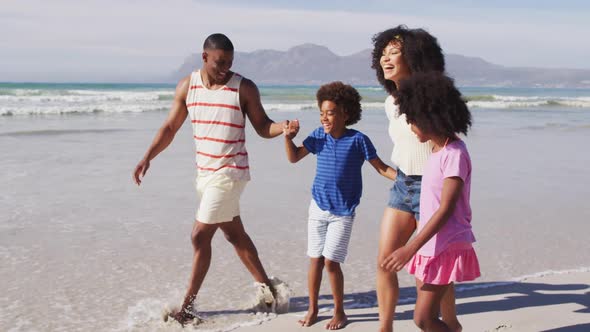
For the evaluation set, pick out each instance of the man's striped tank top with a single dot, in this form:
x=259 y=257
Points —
x=218 y=128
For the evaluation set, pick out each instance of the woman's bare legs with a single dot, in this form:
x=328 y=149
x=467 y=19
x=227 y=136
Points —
x=396 y=228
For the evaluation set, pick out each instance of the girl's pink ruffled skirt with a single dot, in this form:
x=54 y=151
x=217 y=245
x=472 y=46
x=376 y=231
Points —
x=457 y=263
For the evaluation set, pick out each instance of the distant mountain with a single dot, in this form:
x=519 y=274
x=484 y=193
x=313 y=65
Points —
x=311 y=64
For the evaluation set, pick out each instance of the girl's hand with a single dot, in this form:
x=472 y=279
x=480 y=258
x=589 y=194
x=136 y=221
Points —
x=291 y=129
x=397 y=259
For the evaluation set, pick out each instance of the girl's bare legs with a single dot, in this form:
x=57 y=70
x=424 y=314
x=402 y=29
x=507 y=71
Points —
x=428 y=304
x=396 y=228
x=449 y=310
x=314 y=280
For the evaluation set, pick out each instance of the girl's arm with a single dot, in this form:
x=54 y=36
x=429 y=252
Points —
x=451 y=190
x=383 y=169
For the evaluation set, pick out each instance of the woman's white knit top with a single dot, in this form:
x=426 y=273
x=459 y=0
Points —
x=408 y=154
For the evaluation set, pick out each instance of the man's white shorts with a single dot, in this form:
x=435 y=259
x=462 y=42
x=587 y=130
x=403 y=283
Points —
x=328 y=235
x=219 y=197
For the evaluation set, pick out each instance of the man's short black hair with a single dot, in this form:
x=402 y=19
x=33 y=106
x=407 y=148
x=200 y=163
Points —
x=218 y=41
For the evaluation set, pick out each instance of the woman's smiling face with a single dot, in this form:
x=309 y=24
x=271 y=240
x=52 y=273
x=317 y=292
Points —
x=393 y=63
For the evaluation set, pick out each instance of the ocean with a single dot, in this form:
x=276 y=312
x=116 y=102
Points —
x=69 y=98
x=84 y=249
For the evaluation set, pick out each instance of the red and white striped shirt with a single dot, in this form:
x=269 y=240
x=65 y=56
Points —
x=218 y=128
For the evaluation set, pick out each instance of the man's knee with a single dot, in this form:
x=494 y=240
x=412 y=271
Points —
x=235 y=238
x=235 y=233
x=201 y=237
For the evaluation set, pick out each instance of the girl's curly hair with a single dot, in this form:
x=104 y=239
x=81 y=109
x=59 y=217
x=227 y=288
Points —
x=344 y=96
x=432 y=103
x=420 y=50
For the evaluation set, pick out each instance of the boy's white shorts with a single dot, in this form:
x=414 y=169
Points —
x=328 y=235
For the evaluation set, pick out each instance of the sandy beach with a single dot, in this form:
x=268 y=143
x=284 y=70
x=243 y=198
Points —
x=555 y=302
x=85 y=87
x=84 y=249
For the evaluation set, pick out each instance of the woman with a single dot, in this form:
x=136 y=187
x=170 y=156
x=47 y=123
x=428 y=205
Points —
x=399 y=53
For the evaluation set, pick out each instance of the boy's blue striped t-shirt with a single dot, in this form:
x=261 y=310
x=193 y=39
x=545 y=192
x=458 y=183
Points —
x=338 y=184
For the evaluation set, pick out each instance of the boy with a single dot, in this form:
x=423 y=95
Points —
x=336 y=190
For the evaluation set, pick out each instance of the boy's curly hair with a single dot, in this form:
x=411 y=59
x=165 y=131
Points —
x=420 y=51
x=344 y=96
x=432 y=103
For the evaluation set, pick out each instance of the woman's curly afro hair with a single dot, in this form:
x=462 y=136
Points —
x=420 y=51
x=432 y=103
x=344 y=96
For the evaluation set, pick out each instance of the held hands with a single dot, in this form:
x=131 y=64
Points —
x=397 y=259
x=140 y=170
x=291 y=128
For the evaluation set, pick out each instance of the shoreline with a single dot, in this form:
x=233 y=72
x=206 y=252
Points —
x=545 y=301
x=75 y=221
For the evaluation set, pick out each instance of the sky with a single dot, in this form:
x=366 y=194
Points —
x=145 y=40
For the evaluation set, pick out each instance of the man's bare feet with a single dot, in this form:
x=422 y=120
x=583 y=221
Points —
x=272 y=300
x=310 y=319
x=184 y=317
x=264 y=300
x=338 y=322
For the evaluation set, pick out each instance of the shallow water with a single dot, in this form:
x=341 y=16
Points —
x=82 y=248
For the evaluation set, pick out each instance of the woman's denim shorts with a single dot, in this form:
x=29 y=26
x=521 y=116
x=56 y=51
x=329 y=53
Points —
x=405 y=193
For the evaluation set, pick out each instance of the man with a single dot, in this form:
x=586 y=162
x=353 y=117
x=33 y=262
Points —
x=217 y=101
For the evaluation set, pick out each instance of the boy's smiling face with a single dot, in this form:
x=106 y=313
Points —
x=333 y=118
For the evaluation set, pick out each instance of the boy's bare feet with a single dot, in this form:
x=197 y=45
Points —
x=338 y=322
x=310 y=319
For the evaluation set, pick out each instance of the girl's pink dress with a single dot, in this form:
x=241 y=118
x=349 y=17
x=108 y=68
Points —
x=448 y=256
x=457 y=263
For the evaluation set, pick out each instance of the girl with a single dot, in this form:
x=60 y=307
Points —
x=336 y=190
x=441 y=253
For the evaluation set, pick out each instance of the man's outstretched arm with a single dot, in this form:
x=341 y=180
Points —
x=252 y=106
x=166 y=133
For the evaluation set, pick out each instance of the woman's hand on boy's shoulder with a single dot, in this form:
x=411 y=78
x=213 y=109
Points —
x=291 y=129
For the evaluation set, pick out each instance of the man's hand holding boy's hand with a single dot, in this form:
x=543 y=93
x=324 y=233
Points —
x=291 y=129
